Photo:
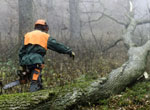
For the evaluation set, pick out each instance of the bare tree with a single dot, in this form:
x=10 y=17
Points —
x=74 y=19
x=51 y=3
x=25 y=17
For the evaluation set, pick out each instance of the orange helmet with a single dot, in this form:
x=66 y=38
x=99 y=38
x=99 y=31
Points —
x=43 y=27
x=41 y=22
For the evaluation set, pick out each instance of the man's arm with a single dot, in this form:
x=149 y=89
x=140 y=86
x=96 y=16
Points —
x=21 y=52
x=58 y=47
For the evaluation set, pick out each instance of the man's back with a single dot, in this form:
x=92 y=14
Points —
x=36 y=37
x=34 y=48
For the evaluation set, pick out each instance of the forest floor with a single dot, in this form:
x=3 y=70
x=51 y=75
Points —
x=136 y=97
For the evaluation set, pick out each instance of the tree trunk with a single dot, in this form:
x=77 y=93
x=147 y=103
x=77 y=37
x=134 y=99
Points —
x=51 y=4
x=74 y=19
x=25 y=17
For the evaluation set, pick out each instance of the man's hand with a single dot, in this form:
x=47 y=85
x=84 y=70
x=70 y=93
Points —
x=72 y=55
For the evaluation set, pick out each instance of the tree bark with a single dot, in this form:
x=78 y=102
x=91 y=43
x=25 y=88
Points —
x=74 y=19
x=25 y=17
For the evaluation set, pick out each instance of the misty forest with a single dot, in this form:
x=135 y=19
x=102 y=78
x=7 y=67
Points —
x=111 y=42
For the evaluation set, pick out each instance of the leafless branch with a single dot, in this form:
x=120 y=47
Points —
x=131 y=6
x=114 y=19
x=141 y=22
x=148 y=6
x=112 y=45
x=110 y=17
x=11 y=5
x=131 y=9
x=98 y=19
x=91 y=29
x=94 y=20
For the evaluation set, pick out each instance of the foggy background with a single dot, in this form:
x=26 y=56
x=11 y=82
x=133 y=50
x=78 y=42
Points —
x=57 y=14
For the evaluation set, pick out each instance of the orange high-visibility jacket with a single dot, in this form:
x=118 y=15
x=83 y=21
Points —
x=37 y=37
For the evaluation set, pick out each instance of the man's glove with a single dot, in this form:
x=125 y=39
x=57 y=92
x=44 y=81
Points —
x=72 y=55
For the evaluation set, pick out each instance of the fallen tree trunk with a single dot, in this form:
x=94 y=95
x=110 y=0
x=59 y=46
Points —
x=117 y=81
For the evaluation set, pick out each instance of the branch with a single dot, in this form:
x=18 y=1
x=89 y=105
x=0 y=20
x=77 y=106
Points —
x=95 y=20
x=114 y=19
x=131 y=6
x=10 y=5
x=145 y=21
x=91 y=29
x=131 y=10
x=110 y=17
x=112 y=45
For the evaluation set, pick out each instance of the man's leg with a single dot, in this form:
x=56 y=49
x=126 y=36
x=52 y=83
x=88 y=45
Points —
x=23 y=74
x=36 y=81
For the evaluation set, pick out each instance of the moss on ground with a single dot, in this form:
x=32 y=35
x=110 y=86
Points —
x=136 y=97
x=25 y=101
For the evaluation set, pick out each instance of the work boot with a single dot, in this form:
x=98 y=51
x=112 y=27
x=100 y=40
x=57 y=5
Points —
x=35 y=86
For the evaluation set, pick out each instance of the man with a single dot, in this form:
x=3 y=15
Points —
x=34 y=48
